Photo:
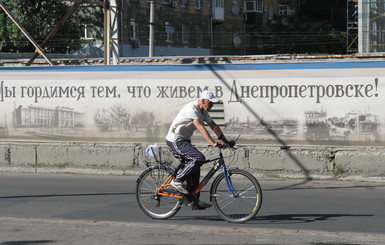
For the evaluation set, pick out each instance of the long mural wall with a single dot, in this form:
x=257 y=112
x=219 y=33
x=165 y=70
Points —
x=303 y=103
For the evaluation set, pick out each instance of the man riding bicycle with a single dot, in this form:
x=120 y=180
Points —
x=191 y=117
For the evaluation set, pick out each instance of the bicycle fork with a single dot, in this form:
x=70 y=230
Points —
x=229 y=182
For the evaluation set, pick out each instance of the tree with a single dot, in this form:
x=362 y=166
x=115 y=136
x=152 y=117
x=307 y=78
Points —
x=302 y=35
x=39 y=17
x=93 y=16
x=332 y=11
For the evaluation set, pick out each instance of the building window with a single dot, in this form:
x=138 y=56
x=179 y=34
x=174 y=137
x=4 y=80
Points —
x=87 y=31
x=134 y=30
x=284 y=10
x=270 y=12
x=247 y=40
x=373 y=4
x=184 y=3
x=199 y=36
x=219 y=4
x=169 y=29
x=185 y=33
x=223 y=34
x=197 y=4
x=254 y=6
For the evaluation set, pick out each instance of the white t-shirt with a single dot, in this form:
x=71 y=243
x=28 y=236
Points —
x=182 y=128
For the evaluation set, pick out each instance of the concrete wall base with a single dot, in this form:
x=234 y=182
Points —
x=128 y=158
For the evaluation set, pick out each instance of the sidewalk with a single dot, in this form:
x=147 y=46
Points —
x=39 y=231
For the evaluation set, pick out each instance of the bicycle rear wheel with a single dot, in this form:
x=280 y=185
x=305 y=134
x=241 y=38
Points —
x=152 y=204
x=241 y=205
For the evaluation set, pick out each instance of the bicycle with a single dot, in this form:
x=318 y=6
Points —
x=235 y=193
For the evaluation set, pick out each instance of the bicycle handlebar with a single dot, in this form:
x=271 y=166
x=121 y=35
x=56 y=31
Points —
x=230 y=144
x=226 y=146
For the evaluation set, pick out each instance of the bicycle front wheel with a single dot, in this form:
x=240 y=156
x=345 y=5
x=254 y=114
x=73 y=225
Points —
x=239 y=199
x=152 y=204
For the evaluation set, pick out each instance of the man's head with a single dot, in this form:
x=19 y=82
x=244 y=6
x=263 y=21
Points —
x=206 y=100
x=207 y=95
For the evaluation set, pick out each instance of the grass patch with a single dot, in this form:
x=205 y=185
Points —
x=62 y=165
x=338 y=170
x=43 y=165
x=7 y=156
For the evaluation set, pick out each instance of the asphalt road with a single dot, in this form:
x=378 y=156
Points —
x=301 y=211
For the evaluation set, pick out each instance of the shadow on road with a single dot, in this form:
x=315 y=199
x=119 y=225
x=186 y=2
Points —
x=279 y=218
x=68 y=195
x=302 y=218
x=27 y=242
x=336 y=187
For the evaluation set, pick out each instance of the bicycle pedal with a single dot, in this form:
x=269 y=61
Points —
x=200 y=205
x=190 y=204
x=186 y=202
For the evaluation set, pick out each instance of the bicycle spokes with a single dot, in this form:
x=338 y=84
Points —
x=236 y=195
x=152 y=193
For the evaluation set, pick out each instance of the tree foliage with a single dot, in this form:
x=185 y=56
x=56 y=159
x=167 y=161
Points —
x=301 y=35
x=332 y=11
x=39 y=17
x=316 y=36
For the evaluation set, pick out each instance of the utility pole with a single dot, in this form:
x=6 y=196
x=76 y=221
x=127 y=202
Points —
x=107 y=33
x=114 y=34
x=152 y=30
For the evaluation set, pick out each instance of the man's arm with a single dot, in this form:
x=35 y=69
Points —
x=218 y=131
x=201 y=128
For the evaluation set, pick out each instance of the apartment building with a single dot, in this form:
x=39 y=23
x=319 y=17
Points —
x=182 y=27
x=260 y=12
x=196 y=27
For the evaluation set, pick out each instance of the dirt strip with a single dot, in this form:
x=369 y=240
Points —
x=43 y=231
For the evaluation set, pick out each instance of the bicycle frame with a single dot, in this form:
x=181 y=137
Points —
x=218 y=163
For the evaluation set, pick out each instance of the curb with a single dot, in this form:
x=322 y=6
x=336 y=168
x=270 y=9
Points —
x=137 y=171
